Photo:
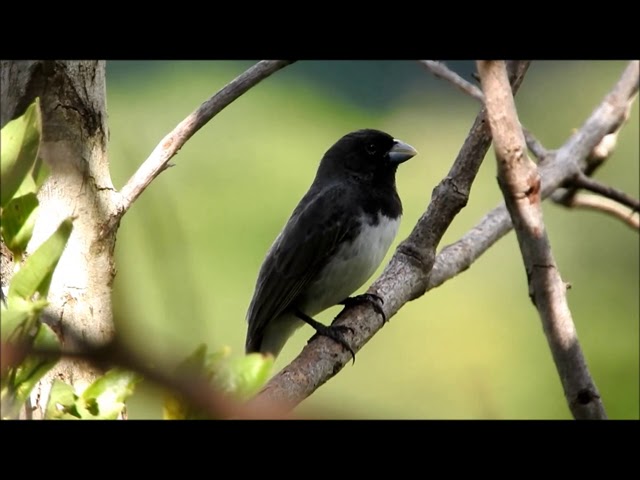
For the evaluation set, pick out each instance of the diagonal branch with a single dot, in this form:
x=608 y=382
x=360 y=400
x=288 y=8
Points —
x=169 y=146
x=519 y=181
x=587 y=183
x=404 y=279
x=302 y=376
x=534 y=145
x=600 y=204
x=440 y=70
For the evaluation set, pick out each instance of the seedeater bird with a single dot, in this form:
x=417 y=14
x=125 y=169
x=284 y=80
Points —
x=333 y=242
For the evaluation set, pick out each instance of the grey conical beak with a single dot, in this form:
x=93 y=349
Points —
x=401 y=152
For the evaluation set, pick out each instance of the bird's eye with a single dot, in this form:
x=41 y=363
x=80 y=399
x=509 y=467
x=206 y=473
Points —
x=371 y=149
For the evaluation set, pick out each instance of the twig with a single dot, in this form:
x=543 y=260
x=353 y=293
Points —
x=534 y=145
x=519 y=181
x=172 y=142
x=440 y=70
x=405 y=278
x=302 y=376
x=596 y=202
x=582 y=181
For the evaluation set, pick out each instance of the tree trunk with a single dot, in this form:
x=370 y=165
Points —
x=74 y=146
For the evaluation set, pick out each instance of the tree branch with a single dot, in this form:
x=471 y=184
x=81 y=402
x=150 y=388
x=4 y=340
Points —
x=440 y=70
x=534 y=145
x=601 y=204
x=587 y=183
x=405 y=278
x=173 y=142
x=318 y=361
x=519 y=181
x=459 y=256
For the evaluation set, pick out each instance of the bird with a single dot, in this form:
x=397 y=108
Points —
x=334 y=240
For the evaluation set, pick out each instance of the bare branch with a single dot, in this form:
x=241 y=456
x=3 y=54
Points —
x=405 y=277
x=534 y=145
x=605 y=119
x=173 y=142
x=582 y=181
x=302 y=376
x=519 y=181
x=440 y=70
x=570 y=158
x=603 y=149
x=601 y=204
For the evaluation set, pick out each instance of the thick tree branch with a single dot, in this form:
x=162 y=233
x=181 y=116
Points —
x=404 y=279
x=319 y=361
x=173 y=142
x=519 y=181
x=596 y=202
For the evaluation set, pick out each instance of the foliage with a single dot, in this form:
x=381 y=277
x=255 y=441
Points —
x=23 y=173
x=102 y=400
x=239 y=376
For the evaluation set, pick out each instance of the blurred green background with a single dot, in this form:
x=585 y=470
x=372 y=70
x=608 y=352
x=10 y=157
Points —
x=189 y=250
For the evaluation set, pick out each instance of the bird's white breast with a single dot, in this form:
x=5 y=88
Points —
x=352 y=266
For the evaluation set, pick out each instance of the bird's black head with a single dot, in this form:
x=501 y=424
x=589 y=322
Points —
x=368 y=155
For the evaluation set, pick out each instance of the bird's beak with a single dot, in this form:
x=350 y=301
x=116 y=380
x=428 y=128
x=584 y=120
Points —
x=401 y=152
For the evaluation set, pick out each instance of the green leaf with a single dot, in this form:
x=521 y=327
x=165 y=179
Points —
x=18 y=220
x=104 y=398
x=198 y=363
x=244 y=376
x=174 y=408
x=19 y=143
x=35 y=274
x=194 y=362
x=62 y=402
x=34 y=367
x=20 y=320
x=33 y=182
x=14 y=318
x=21 y=327
x=39 y=173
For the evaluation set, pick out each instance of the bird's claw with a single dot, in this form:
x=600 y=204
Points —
x=335 y=333
x=374 y=300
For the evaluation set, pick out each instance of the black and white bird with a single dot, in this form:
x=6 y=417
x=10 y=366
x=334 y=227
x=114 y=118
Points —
x=334 y=241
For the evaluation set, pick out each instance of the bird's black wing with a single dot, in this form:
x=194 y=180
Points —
x=310 y=237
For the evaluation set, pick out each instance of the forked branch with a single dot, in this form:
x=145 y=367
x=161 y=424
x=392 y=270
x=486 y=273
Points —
x=409 y=275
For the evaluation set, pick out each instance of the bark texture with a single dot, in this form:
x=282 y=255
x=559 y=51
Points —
x=74 y=146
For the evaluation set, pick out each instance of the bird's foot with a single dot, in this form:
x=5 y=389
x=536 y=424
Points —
x=334 y=332
x=374 y=300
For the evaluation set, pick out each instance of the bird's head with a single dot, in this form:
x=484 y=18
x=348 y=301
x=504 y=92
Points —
x=368 y=155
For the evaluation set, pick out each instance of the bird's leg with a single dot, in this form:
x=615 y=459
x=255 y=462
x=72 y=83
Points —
x=334 y=332
x=374 y=300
